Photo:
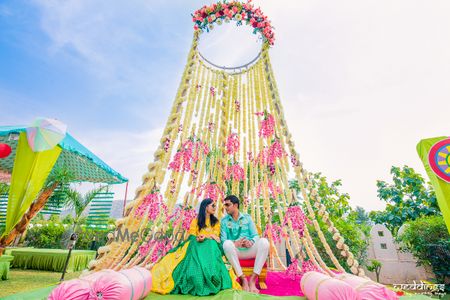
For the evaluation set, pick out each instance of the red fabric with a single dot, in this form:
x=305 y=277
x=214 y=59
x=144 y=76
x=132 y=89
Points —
x=248 y=263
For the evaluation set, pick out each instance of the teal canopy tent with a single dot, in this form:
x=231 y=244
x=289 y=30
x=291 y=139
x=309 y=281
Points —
x=82 y=163
x=30 y=167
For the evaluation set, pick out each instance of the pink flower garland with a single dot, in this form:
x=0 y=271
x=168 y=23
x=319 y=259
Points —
x=235 y=171
x=209 y=190
x=234 y=10
x=292 y=270
x=144 y=249
x=308 y=266
x=274 y=190
x=297 y=217
x=276 y=231
x=233 y=144
x=268 y=156
x=152 y=204
x=275 y=152
x=183 y=216
x=162 y=247
x=267 y=126
x=187 y=217
x=189 y=153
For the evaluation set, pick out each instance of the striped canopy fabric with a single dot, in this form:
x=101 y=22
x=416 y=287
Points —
x=55 y=204
x=100 y=211
x=3 y=205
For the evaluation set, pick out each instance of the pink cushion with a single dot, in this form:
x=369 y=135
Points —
x=141 y=280
x=368 y=289
x=316 y=285
x=248 y=263
x=75 y=289
x=111 y=286
x=93 y=276
x=134 y=283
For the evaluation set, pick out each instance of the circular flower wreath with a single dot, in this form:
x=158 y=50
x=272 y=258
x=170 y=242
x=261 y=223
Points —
x=205 y=17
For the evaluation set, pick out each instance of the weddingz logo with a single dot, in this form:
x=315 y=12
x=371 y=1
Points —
x=127 y=236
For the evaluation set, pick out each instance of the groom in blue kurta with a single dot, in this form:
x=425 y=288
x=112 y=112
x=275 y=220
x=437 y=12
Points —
x=241 y=241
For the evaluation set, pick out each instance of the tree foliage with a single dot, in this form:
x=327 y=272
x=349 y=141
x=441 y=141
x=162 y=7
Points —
x=79 y=202
x=428 y=240
x=375 y=266
x=407 y=198
x=343 y=216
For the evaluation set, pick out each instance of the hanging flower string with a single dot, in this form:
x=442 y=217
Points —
x=235 y=171
x=209 y=190
x=183 y=216
x=276 y=232
x=205 y=18
x=274 y=190
x=267 y=128
x=190 y=153
x=233 y=143
x=162 y=247
x=152 y=204
x=292 y=270
x=187 y=216
x=298 y=219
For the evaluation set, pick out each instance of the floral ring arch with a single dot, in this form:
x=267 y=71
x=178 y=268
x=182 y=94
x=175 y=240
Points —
x=242 y=13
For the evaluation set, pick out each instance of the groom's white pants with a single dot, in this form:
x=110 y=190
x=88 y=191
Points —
x=259 y=251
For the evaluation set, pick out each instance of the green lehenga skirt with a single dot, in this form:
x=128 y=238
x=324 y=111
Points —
x=195 y=268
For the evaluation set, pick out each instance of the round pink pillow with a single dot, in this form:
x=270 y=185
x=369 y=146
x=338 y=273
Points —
x=75 y=289
x=319 y=286
x=368 y=289
x=141 y=280
x=111 y=286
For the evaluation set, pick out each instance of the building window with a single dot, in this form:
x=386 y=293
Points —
x=383 y=246
x=380 y=233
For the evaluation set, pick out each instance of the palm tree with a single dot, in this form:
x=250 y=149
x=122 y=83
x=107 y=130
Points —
x=58 y=178
x=79 y=202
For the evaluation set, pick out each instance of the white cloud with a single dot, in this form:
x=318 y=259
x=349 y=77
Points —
x=127 y=152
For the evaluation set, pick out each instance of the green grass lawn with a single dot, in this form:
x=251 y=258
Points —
x=27 y=280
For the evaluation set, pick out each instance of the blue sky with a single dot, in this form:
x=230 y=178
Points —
x=361 y=81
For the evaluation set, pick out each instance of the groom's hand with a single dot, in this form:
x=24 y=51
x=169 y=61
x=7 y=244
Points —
x=247 y=244
x=239 y=243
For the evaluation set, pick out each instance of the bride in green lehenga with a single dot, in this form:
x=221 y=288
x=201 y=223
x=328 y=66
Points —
x=196 y=266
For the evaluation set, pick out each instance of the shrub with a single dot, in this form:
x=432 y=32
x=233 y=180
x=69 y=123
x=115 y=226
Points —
x=55 y=235
x=428 y=240
x=46 y=235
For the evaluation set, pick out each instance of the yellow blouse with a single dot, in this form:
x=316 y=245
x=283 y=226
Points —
x=207 y=231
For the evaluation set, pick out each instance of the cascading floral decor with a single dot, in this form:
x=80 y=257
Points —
x=207 y=16
x=226 y=134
